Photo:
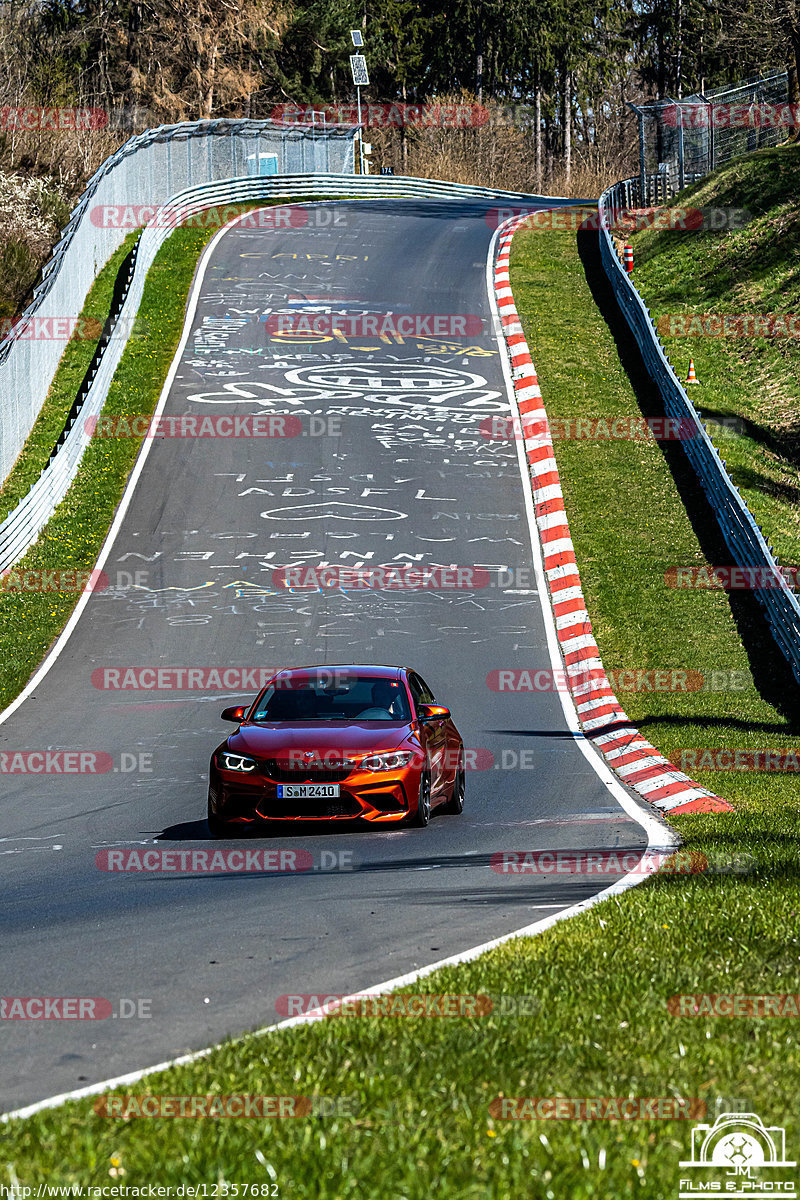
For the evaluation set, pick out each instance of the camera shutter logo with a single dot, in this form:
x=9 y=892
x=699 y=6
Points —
x=739 y=1143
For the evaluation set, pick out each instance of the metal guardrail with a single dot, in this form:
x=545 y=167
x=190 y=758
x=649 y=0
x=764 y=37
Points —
x=147 y=170
x=22 y=526
x=747 y=545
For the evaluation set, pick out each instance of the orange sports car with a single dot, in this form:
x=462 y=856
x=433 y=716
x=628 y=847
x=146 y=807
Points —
x=337 y=743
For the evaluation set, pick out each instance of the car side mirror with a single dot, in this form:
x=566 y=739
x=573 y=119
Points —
x=433 y=712
x=234 y=714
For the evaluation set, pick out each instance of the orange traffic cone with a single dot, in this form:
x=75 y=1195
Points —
x=629 y=259
x=692 y=376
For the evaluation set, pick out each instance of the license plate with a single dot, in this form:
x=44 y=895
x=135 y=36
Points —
x=308 y=791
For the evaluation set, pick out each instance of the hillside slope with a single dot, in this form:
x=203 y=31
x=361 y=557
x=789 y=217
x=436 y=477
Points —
x=752 y=271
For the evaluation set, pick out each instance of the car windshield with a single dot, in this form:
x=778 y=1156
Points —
x=360 y=698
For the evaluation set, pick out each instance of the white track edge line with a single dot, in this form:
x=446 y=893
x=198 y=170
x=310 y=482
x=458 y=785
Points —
x=652 y=827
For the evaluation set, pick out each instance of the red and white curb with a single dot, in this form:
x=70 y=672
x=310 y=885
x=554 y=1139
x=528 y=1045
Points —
x=603 y=720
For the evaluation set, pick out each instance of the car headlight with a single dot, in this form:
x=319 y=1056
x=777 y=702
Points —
x=387 y=762
x=237 y=762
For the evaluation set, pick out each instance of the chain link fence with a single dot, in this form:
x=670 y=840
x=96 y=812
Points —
x=682 y=140
x=140 y=176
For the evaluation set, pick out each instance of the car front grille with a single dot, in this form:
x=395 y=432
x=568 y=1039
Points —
x=285 y=772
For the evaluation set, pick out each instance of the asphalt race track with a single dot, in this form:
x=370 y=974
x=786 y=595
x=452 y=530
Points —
x=390 y=466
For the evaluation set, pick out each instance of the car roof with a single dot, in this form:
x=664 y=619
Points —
x=371 y=671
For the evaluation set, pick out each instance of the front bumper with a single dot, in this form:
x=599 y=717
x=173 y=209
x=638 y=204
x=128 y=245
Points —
x=380 y=797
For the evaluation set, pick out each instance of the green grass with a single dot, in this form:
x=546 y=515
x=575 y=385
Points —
x=601 y=981
x=752 y=270
x=73 y=366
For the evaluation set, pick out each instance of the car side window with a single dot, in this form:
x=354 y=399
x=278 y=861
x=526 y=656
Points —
x=419 y=689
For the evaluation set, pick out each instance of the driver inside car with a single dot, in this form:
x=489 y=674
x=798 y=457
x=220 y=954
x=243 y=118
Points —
x=384 y=701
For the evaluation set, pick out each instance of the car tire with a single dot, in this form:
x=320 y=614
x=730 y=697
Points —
x=423 y=814
x=456 y=802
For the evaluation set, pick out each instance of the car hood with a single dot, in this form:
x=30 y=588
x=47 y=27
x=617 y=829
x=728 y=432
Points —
x=320 y=736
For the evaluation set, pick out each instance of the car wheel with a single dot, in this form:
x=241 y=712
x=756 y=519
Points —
x=423 y=814
x=456 y=802
x=217 y=828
